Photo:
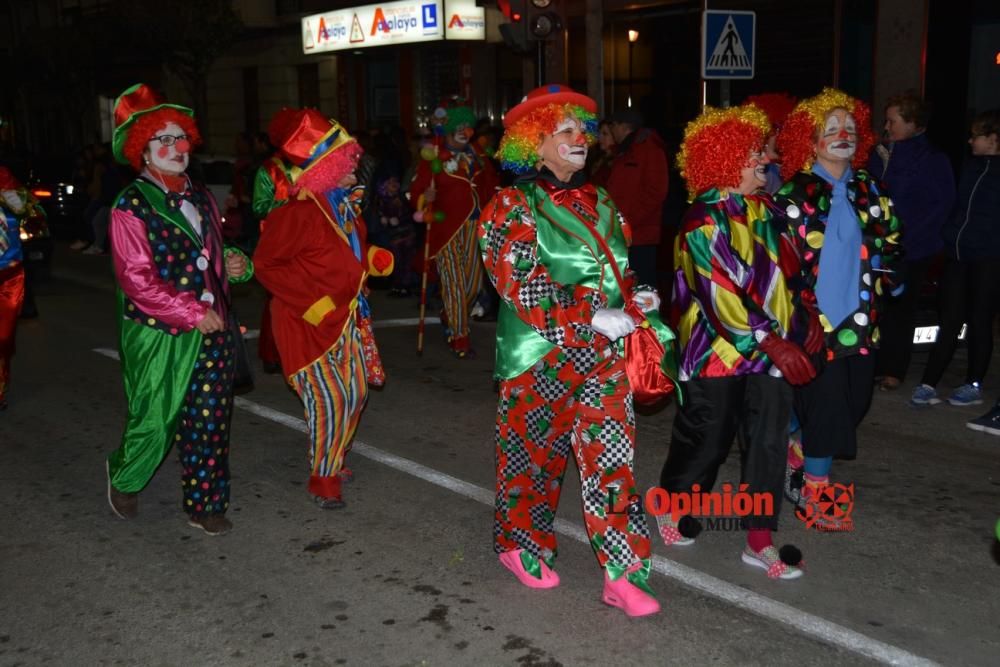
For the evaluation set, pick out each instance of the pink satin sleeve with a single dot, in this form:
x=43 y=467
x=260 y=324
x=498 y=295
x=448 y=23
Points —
x=140 y=281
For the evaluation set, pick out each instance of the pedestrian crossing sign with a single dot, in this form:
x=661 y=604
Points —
x=727 y=44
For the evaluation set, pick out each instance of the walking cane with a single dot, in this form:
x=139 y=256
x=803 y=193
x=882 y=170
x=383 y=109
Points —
x=428 y=219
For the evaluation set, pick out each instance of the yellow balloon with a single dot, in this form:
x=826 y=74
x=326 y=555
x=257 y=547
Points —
x=428 y=152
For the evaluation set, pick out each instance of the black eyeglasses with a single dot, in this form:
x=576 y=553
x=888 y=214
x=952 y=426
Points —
x=169 y=139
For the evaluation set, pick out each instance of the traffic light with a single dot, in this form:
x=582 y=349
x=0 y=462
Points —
x=544 y=20
x=529 y=21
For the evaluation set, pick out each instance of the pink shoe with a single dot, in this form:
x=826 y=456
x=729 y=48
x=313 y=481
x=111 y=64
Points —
x=514 y=561
x=628 y=595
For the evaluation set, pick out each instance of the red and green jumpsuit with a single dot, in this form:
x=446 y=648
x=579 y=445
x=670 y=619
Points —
x=563 y=388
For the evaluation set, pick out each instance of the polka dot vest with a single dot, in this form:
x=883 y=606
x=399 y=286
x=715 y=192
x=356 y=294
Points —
x=175 y=249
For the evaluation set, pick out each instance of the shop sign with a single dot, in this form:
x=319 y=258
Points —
x=383 y=24
x=464 y=20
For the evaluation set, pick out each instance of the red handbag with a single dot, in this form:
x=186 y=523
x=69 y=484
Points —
x=643 y=350
x=643 y=361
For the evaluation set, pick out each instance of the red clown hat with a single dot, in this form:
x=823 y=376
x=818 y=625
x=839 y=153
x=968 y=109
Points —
x=551 y=94
x=135 y=102
x=307 y=136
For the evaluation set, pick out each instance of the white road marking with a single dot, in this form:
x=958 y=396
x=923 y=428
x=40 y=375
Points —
x=816 y=627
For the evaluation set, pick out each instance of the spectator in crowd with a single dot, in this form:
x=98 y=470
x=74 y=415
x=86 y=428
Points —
x=922 y=186
x=599 y=162
x=638 y=183
x=971 y=278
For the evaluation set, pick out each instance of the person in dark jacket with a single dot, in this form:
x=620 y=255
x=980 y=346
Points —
x=971 y=279
x=922 y=186
x=638 y=186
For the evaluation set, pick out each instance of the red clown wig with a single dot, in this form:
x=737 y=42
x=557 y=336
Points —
x=777 y=106
x=798 y=136
x=717 y=145
x=146 y=127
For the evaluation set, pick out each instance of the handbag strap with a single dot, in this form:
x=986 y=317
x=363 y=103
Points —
x=611 y=259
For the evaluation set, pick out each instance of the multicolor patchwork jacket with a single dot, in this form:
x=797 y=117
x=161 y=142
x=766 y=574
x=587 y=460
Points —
x=806 y=200
x=737 y=272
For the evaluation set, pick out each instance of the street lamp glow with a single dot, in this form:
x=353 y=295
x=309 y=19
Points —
x=633 y=36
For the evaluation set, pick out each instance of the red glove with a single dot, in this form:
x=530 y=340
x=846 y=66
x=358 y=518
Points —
x=789 y=358
x=815 y=336
x=380 y=261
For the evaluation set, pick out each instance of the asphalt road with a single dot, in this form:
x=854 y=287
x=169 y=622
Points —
x=405 y=575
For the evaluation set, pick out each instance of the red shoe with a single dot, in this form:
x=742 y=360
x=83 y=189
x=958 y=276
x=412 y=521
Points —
x=461 y=346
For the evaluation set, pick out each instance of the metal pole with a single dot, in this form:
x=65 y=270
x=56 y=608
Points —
x=540 y=68
x=704 y=83
x=628 y=102
x=595 y=53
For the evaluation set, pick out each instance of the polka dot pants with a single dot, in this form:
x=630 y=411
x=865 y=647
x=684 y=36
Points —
x=202 y=436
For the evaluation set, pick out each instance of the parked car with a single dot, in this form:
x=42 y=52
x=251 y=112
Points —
x=51 y=184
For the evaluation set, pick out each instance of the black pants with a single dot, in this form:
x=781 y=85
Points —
x=831 y=407
x=968 y=295
x=897 y=321
x=642 y=260
x=707 y=422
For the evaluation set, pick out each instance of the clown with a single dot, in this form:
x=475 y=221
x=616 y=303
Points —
x=454 y=180
x=15 y=203
x=848 y=237
x=314 y=260
x=270 y=190
x=177 y=349
x=556 y=248
x=737 y=311
x=777 y=106
x=271 y=182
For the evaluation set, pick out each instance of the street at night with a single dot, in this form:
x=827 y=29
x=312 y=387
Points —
x=539 y=333
x=405 y=574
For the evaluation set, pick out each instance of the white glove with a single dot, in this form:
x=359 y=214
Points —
x=13 y=200
x=613 y=323
x=646 y=300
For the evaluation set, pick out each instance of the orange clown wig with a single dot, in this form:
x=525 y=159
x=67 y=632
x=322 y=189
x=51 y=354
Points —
x=717 y=145
x=797 y=138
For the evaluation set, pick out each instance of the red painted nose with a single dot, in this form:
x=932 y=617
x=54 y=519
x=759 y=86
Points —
x=183 y=146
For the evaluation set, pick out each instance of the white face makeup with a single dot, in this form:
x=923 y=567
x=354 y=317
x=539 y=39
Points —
x=839 y=139
x=571 y=144
x=754 y=175
x=461 y=135
x=172 y=159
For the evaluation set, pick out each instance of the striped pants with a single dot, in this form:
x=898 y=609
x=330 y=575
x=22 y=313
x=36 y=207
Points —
x=460 y=270
x=333 y=390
